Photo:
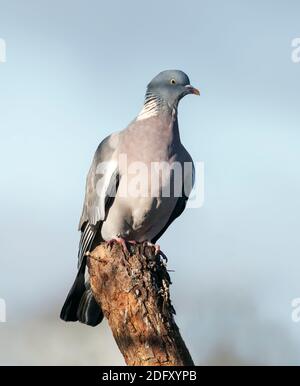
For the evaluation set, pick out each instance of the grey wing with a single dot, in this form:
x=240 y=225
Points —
x=188 y=183
x=101 y=186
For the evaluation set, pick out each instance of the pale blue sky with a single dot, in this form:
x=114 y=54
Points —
x=77 y=70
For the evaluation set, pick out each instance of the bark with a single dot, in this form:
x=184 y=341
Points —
x=133 y=292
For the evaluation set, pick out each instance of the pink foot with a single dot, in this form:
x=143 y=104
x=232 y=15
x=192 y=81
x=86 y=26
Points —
x=122 y=242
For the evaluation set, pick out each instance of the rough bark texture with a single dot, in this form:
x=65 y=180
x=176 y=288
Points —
x=133 y=291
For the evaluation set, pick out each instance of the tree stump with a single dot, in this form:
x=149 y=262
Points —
x=133 y=292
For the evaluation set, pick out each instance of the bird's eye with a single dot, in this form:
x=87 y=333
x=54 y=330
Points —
x=173 y=81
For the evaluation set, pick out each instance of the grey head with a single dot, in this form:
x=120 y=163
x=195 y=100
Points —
x=169 y=87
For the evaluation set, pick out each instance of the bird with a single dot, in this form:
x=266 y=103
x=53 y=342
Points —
x=112 y=213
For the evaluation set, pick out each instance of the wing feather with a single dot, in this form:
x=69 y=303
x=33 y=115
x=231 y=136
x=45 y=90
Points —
x=101 y=186
x=187 y=185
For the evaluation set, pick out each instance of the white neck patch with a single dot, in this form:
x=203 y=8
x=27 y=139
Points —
x=150 y=109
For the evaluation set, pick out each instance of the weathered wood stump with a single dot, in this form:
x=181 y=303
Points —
x=133 y=292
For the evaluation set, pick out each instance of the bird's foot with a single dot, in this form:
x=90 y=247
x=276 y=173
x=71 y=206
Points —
x=122 y=242
x=157 y=250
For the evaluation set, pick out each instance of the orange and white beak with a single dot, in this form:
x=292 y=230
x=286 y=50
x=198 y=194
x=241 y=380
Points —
x=192 y=90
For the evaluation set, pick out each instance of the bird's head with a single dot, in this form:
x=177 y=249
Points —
x=170 y=86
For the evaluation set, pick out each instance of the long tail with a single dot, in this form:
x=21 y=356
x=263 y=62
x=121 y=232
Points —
x=80 y=303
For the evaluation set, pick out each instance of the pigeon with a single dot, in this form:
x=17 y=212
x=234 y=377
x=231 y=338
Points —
x=136 y=187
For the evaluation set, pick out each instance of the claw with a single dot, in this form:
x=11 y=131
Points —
x=120 y=241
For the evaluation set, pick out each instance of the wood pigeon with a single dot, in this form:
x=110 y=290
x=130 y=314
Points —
x=133 y=189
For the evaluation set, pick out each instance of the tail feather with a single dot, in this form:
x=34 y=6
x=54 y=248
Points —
x=88 y=311
x=80 y=303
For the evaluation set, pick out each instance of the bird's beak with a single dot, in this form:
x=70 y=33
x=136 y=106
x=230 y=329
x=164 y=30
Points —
x=192 y=90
